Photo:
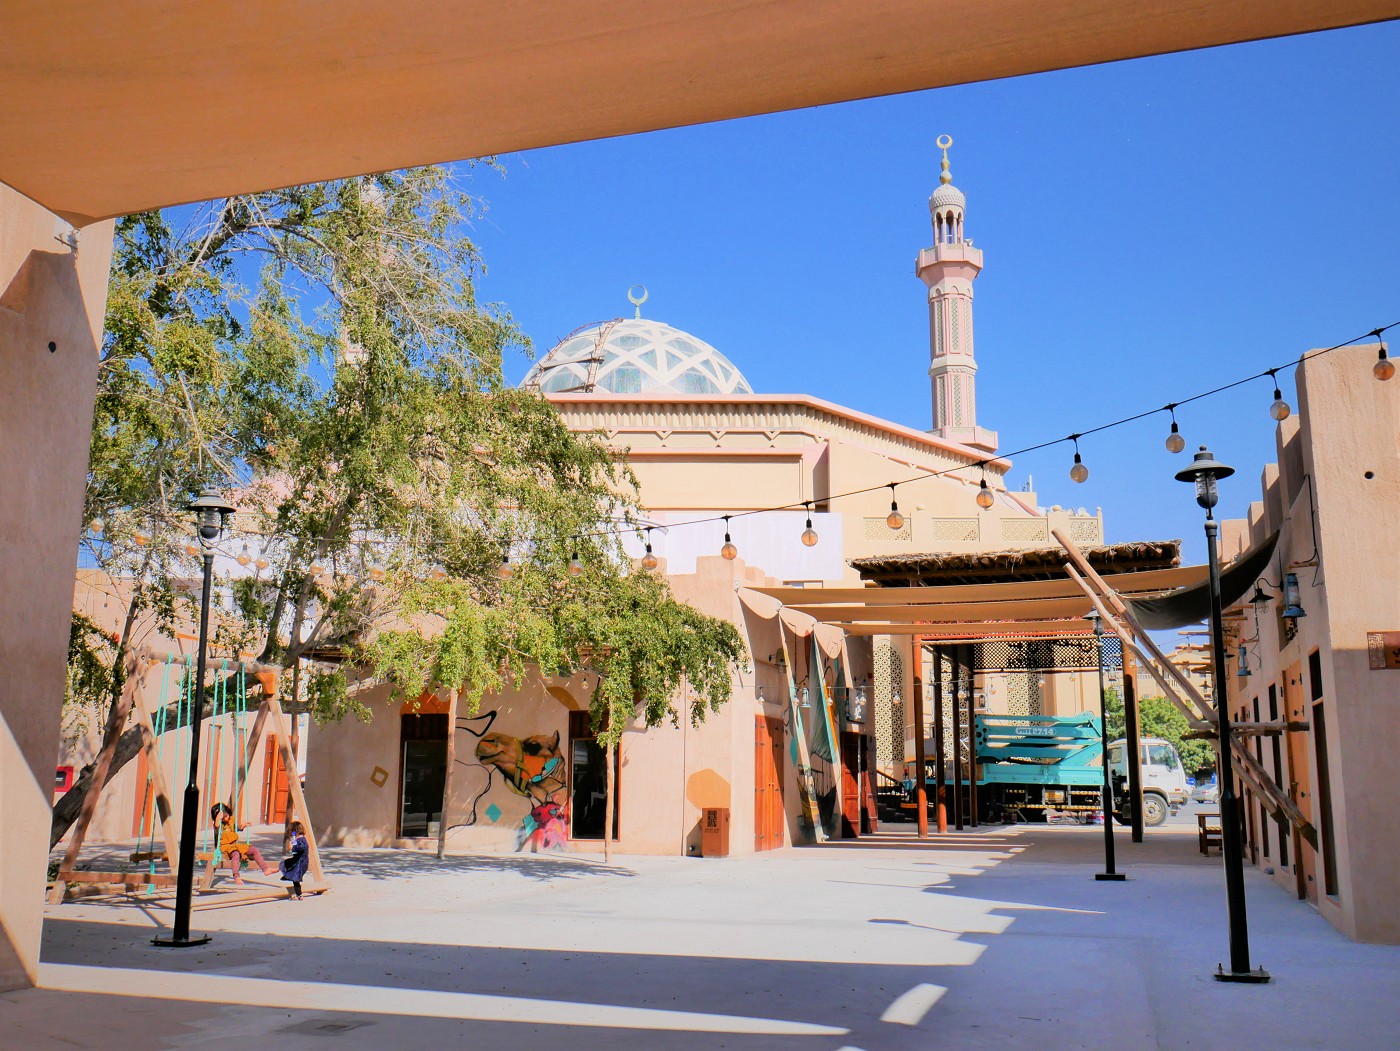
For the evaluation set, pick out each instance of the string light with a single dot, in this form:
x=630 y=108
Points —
x=140 y=539
x=244 y=558
x=191 y=550
x=261 y=564
x=1077 y=473
x=376 y=573
x=1381 y=373
x=505 y=571
x=1383 y=369
x=1175 y=442
x=438 y=573
x=1279 y=410
x=575 y=566
x=809 y=535
x=894 y=520
x=316 y=569
x=728 y=552
x=985 y=499
x=649 y=561
x=96 y=526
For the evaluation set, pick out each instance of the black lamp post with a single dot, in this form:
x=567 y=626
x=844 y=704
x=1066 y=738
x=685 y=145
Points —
x=1204 y=472
x=1109 y=872
x=211 y=516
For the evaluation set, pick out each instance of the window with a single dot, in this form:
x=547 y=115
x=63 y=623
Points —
x=1160 y=755
x=1324 y=803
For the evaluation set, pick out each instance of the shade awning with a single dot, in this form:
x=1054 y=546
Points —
x=114 y=107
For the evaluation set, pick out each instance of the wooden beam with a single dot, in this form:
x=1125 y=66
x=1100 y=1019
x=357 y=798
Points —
x=1282 y=806
x=279 y=727
x=162 y=792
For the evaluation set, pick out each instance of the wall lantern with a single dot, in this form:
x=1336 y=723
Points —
x=1292 y=606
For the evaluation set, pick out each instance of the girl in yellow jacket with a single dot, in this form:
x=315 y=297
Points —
x=234 y=849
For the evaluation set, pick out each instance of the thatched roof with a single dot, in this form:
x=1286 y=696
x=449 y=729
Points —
x=986 y=567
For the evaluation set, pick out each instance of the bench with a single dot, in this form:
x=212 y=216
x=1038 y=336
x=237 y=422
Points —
x=1209 y=834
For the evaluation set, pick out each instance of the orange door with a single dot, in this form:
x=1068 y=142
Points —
x=768 y=816
x=145 y=797
x=274 y=802
x=850 y=785
x=1300 y=783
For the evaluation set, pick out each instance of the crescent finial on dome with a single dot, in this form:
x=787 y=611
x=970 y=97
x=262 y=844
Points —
x=944 y=141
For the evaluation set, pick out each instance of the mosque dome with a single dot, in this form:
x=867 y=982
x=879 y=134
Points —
x=946 y=195
x=635 y=356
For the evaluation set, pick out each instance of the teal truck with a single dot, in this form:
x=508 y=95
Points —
x=1031 y=764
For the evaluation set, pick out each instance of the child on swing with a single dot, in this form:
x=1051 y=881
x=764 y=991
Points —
x=232 y=848
x=294 y=865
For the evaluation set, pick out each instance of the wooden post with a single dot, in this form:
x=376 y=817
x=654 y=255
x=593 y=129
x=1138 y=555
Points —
x=279 y=727
x=611 y=801
x=1132 y=732
x=447 y=779
x=938 y=743
x=970 y=652
x=116 y=722
x=295 y=720
x=957 y=741
x=921 y=769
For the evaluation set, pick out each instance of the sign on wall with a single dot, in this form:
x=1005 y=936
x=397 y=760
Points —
x=1384 y=649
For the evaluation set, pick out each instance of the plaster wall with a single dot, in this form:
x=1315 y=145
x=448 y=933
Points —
x=51 y=295
x=1331 y=512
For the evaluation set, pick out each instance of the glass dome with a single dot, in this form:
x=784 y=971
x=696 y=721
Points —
x=635 y=356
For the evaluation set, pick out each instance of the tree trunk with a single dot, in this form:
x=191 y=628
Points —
x=609 y=805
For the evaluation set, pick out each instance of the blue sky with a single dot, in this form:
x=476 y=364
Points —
x=1151 y=228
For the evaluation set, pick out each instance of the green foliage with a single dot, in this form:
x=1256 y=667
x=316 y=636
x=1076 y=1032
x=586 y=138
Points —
x=623 y=624
x=319 y=353
x=1158 y=717
x=93 y=677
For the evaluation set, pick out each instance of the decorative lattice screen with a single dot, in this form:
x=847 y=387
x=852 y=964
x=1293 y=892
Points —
x=955 y=529
x=878 y=529
x=889 y=716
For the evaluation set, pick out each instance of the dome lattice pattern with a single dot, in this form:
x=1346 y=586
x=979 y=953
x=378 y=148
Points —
x=636 y=356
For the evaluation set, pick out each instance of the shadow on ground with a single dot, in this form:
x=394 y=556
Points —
x=400 y=864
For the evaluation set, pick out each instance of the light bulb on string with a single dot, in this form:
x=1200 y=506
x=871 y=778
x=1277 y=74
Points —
x=894 y=520
x=1175 y=442
x=985 y=499
x=140 y=539
x=192 y=550
x=809 y=535
x=96 y=526
x=1383 y=369
x=649 y=561
x=438 y=573
x=505 y=570
x=728 y=552
x=316 y=569
x=575 y=566
x=376 y=573
x=1280 y=409
x=1078 y=473
x=260 y=564
x=244 y=559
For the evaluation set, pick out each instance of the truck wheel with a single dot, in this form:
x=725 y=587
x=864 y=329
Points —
x=1154 y=810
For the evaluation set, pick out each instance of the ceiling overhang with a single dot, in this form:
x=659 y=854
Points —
x=114 y=107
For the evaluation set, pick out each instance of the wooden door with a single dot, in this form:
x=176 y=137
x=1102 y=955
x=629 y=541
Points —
x=850 y=785
x=145 y=805
x=768 y=817
x=870 y=821
x=274 y=801
x=1300 y=783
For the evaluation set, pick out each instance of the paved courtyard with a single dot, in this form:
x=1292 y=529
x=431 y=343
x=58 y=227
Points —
x=982 y=939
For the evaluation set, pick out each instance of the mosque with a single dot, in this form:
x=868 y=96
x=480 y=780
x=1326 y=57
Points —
x=709 y=453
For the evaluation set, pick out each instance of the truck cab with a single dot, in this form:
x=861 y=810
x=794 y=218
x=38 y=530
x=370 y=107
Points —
x=1164 y=787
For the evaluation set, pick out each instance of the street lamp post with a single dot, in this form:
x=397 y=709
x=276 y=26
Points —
x=1109 y=873
x=1204 y=472
x=211 y=516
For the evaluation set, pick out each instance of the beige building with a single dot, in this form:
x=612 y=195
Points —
x=1322 y=646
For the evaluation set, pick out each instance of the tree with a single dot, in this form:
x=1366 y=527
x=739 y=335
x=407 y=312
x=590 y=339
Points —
x=320 y=349
x=1158 y=717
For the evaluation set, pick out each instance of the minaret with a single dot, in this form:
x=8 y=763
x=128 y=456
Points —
x=948 y=269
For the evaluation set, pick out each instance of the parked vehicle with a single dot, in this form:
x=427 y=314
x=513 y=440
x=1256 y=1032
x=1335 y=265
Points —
x=1164 y=787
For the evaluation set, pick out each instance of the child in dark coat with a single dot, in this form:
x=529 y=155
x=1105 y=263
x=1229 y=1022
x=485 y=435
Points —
x=294 y=867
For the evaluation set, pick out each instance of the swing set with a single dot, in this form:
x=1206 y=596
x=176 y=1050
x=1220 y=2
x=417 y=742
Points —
x=229 y=712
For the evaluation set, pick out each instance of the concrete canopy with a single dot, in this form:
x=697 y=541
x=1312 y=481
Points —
x=114 y=107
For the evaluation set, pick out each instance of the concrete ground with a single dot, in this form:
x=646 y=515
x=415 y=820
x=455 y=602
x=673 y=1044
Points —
x=982 y=939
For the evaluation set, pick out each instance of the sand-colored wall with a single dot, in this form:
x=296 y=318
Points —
x=52 y=295
x=1319 y=494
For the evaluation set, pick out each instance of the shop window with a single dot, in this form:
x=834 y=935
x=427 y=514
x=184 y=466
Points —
x=588 y=781
x=422 y=773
